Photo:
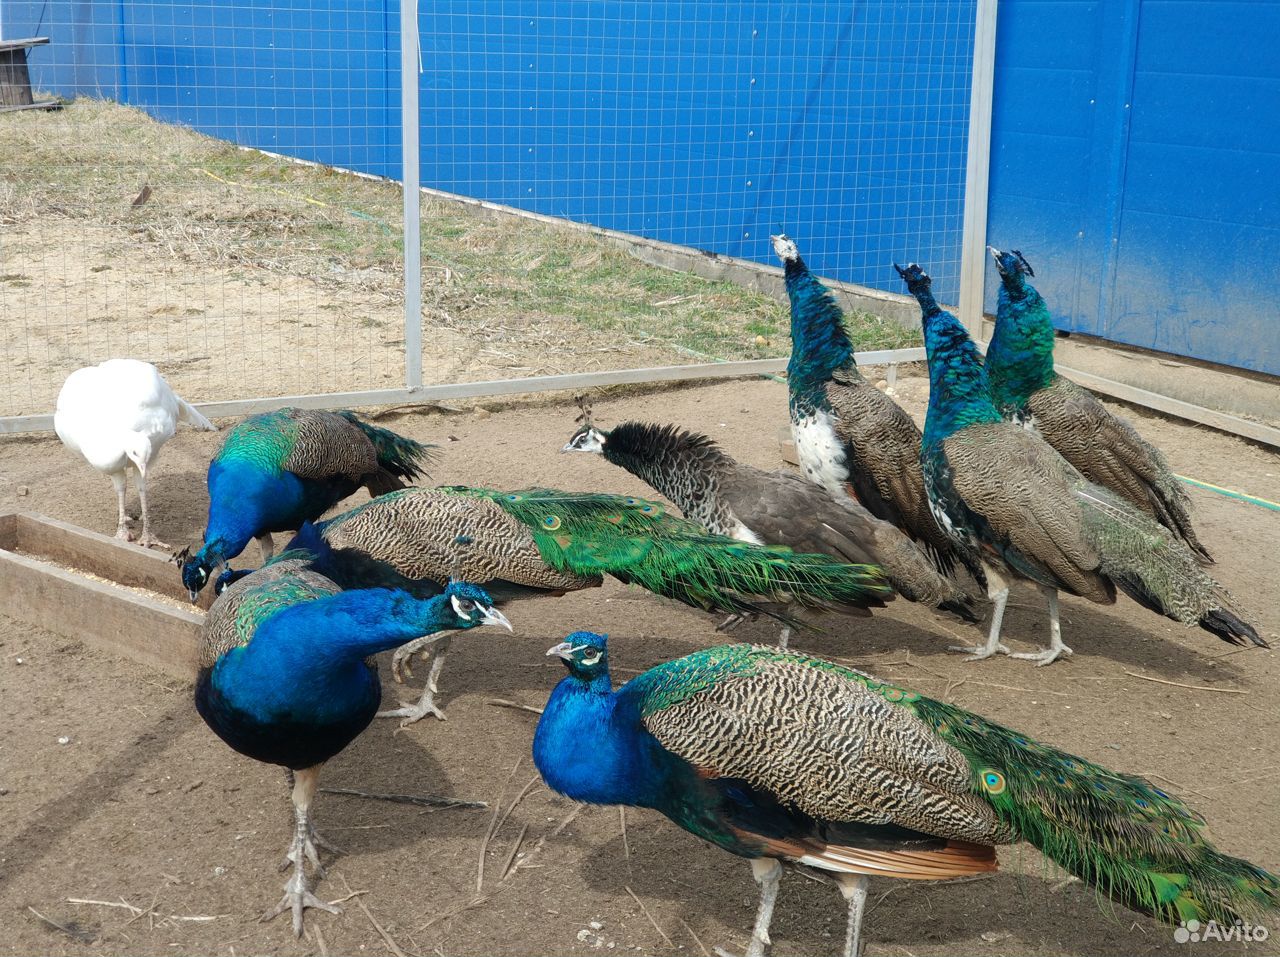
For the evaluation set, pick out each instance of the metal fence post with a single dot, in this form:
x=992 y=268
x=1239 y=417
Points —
x=973 y=260
x=409 y=159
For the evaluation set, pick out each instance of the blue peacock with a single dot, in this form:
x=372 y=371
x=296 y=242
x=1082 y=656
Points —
x=538 y=541
x=783 y=758
x=279 y=469
x=850 y=437
x=1010 y=500
x=1106 y=448
x=286 y=676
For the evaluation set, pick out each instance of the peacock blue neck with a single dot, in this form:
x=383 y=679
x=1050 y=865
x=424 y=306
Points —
x=819 y=343
x=958 y=394
x=307 y=660
x=591 y=746
x=245 y=501
x=1020 y=356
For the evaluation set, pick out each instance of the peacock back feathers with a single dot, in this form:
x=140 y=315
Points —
x=841 y=745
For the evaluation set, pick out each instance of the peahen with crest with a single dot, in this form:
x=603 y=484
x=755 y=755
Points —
x=286 y=676
x=537 y=541
x=279 y=469
x=787 y=759
x=729 y=498
x=1106 y=448
x=850 y=437
x=1009 y=499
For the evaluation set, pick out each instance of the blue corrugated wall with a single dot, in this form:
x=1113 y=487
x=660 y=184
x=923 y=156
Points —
x=1135 y=153
x=1136 y=163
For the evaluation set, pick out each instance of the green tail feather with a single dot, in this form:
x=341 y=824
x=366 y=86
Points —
x=638 y=541
x=402 y=457
x=1119 y=833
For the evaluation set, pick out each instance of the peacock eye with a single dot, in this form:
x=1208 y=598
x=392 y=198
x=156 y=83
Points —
x=591 y=657
x=463 y=606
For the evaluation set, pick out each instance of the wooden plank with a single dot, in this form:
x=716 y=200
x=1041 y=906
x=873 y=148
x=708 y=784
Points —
x=123 y=562
x=99 y=613
x=22 y=44
x=15 y=81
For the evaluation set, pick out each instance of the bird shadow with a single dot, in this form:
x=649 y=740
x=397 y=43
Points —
x=991 y=914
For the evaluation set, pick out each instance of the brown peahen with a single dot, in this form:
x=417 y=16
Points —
x=782 y=758
x=850 y=437
x=548 y=542
x=1106 y=448
x=1014 y=503
x=779 y=507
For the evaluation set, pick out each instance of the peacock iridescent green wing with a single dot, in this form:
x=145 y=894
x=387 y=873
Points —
x=639 y=542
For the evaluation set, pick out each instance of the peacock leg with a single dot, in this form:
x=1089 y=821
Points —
x=784 y=637
x=854 y=889
x=768 y=874
x=147 y=538
x=122 y=522
x=733 y=621
x=311 y=841
x=998 y=592
x=1056 y=648
x=297 y=896
x=267 y=544
x=435 y=645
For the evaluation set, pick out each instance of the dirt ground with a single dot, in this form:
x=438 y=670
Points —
x=144 y=806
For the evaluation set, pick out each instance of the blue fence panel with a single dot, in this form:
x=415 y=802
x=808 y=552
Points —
x=1135 y=157
x=710 y=125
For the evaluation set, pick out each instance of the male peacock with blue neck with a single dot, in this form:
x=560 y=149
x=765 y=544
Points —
x=1106 y=448
x=286 y=673
x=1012 y=502
x=279 y=469
x=787 y=759
x=850 y=437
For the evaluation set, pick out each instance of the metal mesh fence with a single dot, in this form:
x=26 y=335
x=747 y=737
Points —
x=163 y=213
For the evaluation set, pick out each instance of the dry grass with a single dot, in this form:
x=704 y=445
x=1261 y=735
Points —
x=238 y=270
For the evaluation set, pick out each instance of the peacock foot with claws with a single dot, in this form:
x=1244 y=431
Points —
x=297 y=898
x=402 y=658
x=1045 y=656
x=412 y=713
x=434 y=648
x=150 y=541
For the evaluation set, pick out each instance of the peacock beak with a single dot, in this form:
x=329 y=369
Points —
x=491 y=616
x=563 y=650
x=193 y=594
x=568 y=447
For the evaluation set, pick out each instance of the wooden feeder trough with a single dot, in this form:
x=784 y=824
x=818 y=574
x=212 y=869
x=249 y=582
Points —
x=118 y=596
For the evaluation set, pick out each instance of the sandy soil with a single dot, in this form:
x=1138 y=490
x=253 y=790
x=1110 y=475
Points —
x=144 y=806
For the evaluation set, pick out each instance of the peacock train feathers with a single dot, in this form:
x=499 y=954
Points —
x=771 y=754
x=279 y=469
x=1106 y=448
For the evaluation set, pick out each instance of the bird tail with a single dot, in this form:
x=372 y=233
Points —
x=1119 y=833
x=401 y=459
x=191 y=415
x=637 y=541
x=1156 y=570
